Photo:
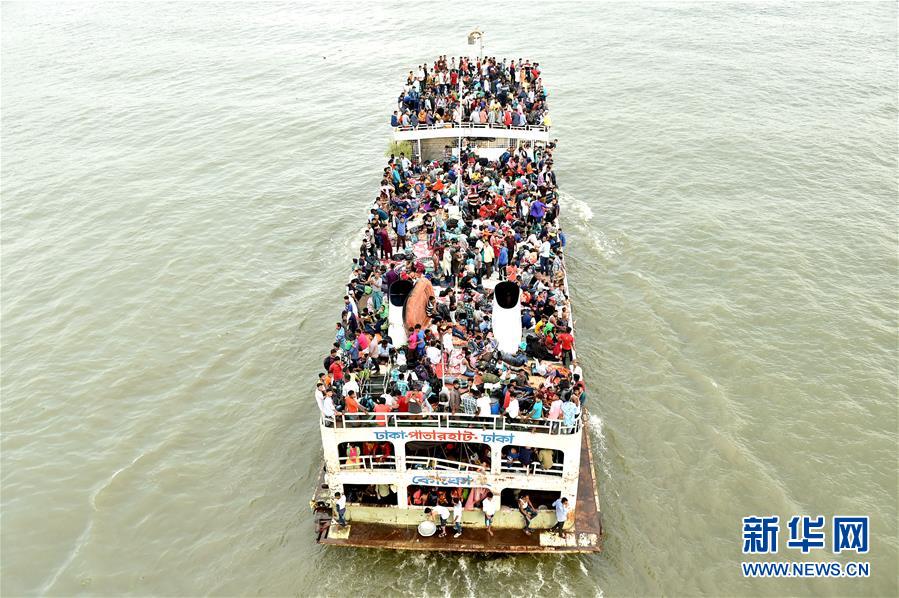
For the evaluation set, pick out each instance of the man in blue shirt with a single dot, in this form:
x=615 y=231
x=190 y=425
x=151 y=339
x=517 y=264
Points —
x=538 y=208
x=570 y=411
x=527 y=321
x=400 y=228
x=561 y=507
x=502 y=260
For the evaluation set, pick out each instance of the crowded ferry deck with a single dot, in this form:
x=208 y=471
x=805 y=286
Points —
x=452 y=400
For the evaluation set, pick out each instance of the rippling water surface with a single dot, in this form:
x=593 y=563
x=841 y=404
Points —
x=180 y=186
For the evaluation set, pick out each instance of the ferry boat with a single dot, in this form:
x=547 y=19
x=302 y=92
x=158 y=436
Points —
x=396 y=440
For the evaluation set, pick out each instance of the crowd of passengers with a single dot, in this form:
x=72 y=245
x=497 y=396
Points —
x=508 y=94
x=461 y=224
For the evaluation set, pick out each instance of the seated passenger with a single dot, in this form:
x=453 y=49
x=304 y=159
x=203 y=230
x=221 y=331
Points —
x=546 y=458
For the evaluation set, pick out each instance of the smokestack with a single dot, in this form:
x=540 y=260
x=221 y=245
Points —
x=507 y=316
x=397 y=294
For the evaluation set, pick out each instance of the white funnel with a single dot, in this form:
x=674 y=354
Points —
x=507 y=316
x=397 y=294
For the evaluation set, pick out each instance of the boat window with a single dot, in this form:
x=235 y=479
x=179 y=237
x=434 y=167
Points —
x=429 y=496
x=371 y=494
x=532 y=460
x=367 y=455
x=462 y=456
x=539 y=498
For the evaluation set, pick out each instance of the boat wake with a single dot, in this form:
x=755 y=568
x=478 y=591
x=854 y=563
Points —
x=578 y=216
x=599 y=438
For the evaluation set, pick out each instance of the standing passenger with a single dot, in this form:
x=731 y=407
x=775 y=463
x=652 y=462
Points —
x=561 y=506
x=526 y=508
x=488 y=505
x=457 y=515
x=340 y=505
x=386 y=247
x=400 y=227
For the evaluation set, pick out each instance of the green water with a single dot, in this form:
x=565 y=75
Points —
x=180 y=187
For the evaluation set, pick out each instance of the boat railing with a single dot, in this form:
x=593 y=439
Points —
x=535 y=468
x=471 y=125
x=449 y=420
x=368 y=462
x=437 y=464
x=419 y=463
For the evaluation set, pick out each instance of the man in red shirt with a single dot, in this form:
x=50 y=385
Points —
x=402 y=403
x=336 y=370
x=567 y=342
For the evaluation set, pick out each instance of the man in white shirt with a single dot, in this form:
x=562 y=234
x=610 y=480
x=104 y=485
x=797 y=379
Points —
x=340 y=505
x=545 y=253
x=457 y=516
x=448 y=341
x=489 y=506
x=484 y=406
x=440 y=514
x=328 y=409
x=320 y=396
x=513 y=409
x=350 y=384
x=434 y=354
x=576 y=370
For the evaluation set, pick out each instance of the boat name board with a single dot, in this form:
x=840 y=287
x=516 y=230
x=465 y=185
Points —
x=436 y=480
x=457 y=435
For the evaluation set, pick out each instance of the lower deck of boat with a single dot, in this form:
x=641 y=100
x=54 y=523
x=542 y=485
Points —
x=585 y=536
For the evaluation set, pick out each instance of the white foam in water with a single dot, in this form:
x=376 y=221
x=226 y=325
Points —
x=577 y=215
x=596 y=426
x=577 y=207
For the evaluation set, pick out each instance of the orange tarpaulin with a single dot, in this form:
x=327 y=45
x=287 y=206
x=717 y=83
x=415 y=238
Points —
x=415 y=312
